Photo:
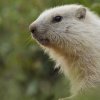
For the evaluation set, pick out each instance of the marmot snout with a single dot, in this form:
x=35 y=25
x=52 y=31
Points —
x=70 y=34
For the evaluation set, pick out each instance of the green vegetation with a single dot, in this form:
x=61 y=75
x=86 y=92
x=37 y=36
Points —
x=26 y=73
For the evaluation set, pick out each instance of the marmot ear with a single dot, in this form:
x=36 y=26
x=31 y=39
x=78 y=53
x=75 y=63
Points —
x=81 y=13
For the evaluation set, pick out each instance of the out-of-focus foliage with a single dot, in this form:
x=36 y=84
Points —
x=26 y=73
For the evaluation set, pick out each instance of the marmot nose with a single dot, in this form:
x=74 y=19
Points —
x=32 y=29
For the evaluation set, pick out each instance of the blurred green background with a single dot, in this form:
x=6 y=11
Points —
x=26 y=73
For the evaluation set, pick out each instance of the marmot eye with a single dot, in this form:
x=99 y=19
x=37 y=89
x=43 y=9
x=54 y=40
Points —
x=57 y=19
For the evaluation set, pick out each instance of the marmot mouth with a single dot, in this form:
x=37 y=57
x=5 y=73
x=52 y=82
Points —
x=43 y=41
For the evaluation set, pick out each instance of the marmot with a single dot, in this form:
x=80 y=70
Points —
x=70 y=34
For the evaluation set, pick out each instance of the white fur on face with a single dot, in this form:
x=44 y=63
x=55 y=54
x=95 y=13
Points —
x=54 y=31
x=70 y=31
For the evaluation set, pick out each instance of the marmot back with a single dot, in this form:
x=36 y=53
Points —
x=70 y=34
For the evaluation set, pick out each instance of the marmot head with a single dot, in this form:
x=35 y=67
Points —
x=60 y=27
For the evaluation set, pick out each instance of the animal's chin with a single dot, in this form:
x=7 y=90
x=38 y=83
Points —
x=42 y=41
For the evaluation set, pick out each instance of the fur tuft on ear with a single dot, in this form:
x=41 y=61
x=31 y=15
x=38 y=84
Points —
x=81 y=13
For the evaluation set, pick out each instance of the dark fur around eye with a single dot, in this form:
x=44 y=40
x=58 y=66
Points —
x=57 y=19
